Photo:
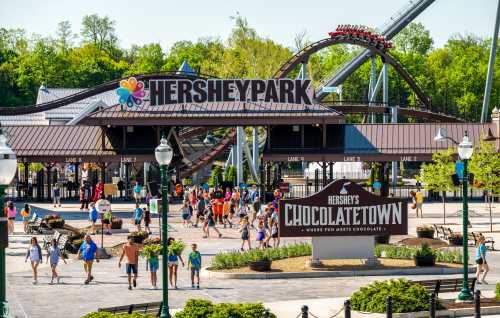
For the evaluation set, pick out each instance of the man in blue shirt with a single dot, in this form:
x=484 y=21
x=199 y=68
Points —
x=87 y=253
x=138 y=212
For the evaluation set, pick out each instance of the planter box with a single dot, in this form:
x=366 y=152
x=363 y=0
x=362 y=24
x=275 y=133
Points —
x=425 y=234
x=116 y=224
x=428 y=260
x=260 y=266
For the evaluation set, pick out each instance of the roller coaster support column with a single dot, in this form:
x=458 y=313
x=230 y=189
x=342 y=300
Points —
x=371 y=88
x=255 y=146
x=385 y=89
x=491 y=64
x=240 y=134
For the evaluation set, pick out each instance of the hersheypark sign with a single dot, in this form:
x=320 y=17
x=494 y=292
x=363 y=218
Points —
x=132 y=92
x=178 y=91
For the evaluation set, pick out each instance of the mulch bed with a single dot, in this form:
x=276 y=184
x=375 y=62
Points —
x=417 y=242
x=115 y=250
x=485 y=302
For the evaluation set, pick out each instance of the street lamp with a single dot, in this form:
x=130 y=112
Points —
x=465 y=151
x=164 y=154
x=8 y=167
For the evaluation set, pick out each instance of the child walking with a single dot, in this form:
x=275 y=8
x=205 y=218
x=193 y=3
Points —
x=25 y=213
x=245 y=232
x=34 y=254
x=194 y=264
x=53 y=254
x=153 y=264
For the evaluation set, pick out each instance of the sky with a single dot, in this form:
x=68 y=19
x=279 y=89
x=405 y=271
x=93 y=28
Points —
x=168 y=21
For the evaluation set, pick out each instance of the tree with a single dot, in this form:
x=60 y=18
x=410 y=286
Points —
x=230 y=174
x=215 y=176
x=65 y=35
x=436 y=175
x=485 y=165
x=147 y=59
x=415 y=38
x=99 y=32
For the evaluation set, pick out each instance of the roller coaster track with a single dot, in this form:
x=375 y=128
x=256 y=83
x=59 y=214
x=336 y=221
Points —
x=303 y=55
x=383 y=109
x=209 y=155
x=23 y=110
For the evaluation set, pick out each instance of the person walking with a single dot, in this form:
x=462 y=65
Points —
x=173 y=264
x=137 y=192
x=261 y=234
x=153 y=264
x=185 y=214
x=138 y=214
x=53 y=254
x=194 y=264
x=210 y=223
x=93 y=214
x=25 y=214
x=85 y=195
x=419 y=201
x=147 y=219
x=482 y=264
x=56 y=195
x=131 y=251
x=11 y=216
x=245 y=233
x=106 y=221
x=200 y=209
x=87 y=253
x=34 y=254
x=274 y=234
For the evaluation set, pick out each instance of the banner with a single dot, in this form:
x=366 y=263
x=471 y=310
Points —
x=343 y=208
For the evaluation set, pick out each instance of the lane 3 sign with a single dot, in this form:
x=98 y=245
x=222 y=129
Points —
x=343 y=208
x=164 y=92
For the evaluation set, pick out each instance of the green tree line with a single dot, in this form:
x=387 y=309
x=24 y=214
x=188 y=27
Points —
x=452 y=76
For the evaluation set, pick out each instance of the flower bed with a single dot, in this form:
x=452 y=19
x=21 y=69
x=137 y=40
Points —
x=425 y=231
x=53 y=221
x=229 y=260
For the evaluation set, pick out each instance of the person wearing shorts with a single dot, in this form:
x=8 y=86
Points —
x=87 y=253
x=53 y=254
x=194 y=264
x=153 y=265
x=482 y=265
x=106 y=221
x=138 y=213
x=173 y=264
x=131 y=251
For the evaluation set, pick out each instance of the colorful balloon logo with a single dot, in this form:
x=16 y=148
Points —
x=131 y=92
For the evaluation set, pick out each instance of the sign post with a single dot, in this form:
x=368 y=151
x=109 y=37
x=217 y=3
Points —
x=342 y=220
x=102 y=207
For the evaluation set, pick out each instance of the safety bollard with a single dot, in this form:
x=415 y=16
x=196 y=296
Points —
x=389 y=307
x=432 y=306
x=477 y=304
x=347 y=308
x=305 y=311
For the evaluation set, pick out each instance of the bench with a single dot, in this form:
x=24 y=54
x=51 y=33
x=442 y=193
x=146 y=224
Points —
x=34 y=224
x=440 y=234
x=437 y=286
x=145 y=308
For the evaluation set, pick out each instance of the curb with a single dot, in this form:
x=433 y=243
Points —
x=206 y=273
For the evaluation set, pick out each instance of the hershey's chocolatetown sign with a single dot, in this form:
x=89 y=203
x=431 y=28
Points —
x=343 y=208
x=179 y=91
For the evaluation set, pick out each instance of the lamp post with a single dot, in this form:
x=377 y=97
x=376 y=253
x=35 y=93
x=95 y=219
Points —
x=465 y=151
x=8 y=166
x=164 y=154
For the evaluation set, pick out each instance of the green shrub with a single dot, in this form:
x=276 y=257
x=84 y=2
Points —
x=406 y=297
x=497 y=291
x=228 y=260
x=110 y=315
x=200 y=308
x=406 y=252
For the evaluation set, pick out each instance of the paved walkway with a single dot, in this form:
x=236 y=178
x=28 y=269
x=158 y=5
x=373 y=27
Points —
x=73 y=299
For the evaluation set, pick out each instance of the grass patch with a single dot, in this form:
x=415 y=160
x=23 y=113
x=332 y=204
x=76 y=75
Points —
x=407 y=252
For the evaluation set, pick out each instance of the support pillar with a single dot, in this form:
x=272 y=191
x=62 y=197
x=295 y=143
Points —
x=491 y=66
x=26 y=179
x=394 y=164
x=49 y=181
x=331 y=170
x=268 y=176
x=127 y=180
x=240 y=134
x=385 y=90
x=146 y=173
x=323 y=167
x=373 y=80
x=255 y=146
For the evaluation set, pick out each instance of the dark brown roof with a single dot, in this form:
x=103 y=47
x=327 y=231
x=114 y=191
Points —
x=43 y=142
x=215 y=113
x=390 y=142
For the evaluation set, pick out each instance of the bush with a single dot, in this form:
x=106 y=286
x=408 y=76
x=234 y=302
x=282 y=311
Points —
x=425 y=250
x=110 y=315
x=406 y=297
x=176 y=247
x=200 y=308
x=497 y=291
x=406 y=252
x=228 y=260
